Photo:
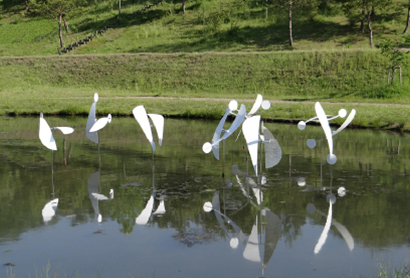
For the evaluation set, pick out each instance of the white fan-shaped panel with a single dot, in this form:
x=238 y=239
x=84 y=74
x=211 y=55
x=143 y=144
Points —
x=100 y=124
x=251 y=252
x=143 y=218
x=49 y=210
x=46 y=136
x=92 y=136
x=250 y=129
x=161 y=208
x=158 y=121
x=140 y=114
x=273 y=151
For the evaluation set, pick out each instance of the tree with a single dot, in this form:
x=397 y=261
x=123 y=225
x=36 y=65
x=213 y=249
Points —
x=57 y=11
x=290 y=6
x=364 y=10
x=394 y=52
x=408 y=18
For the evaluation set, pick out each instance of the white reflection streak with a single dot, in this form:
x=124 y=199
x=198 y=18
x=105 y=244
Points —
x=326 y=229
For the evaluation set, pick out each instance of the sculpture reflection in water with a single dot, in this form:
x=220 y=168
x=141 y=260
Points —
x=239 y=119
x=324 y=119
x=46 y=137
x=140 y=114
x=148 y=211
x=258 y=247
x=93 y=185
x=50 y=208
x=331 y=199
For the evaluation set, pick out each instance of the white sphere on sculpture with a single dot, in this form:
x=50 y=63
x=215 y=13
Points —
x=342 y=113
x=95 y=97
x=233 y=105
x=207 y=147
x=234 y=242
x=301 y=125
x=265 y=105
x=207 y=206
x=311 y=143
x=341 y=191
x=331 y=159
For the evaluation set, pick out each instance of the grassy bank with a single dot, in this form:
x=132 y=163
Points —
x=326 y=75
x=65 y=85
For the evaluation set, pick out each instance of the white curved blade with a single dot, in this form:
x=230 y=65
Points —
x=49 y=210
x=273 y=152
x=64 y=130
x=217 y=134
x=251 y=252
x=346 y=123
x=158 y=121
x=236 y=123
x=92 y=136
x=100 y=197
x=256 y=105
x=325 y=125
x=143 y=218
x=250 y=129
x=161 y=208
x=45 y=135
x=325 y=231
x=234 y=126
x=100 y=124
x=345 y=234
x=142 y=118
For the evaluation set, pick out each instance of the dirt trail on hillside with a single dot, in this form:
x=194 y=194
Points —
x=253 y=100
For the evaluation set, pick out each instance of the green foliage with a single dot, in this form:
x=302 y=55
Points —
x=394 y=52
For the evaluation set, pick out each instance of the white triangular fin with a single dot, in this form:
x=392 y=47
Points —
x=158 y=121
x=250 y=130
x=142 y=118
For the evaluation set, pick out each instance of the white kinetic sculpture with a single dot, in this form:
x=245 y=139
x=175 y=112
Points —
x=46 y=135
x=324 y=119
x=94 y=125
x=250 y=129
x=140 y=114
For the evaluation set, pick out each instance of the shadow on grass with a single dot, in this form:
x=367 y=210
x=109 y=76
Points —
x=264 y=37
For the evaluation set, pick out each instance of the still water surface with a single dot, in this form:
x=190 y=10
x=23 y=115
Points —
x=154 y=223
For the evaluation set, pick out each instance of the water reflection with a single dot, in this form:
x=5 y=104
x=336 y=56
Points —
x=265 y=217
x=331 y=200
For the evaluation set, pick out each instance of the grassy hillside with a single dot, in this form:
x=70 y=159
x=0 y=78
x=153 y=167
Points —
x=217 y=49
x=217 y=25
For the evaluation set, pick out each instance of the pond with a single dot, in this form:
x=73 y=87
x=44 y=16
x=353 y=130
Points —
x=123 y=212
